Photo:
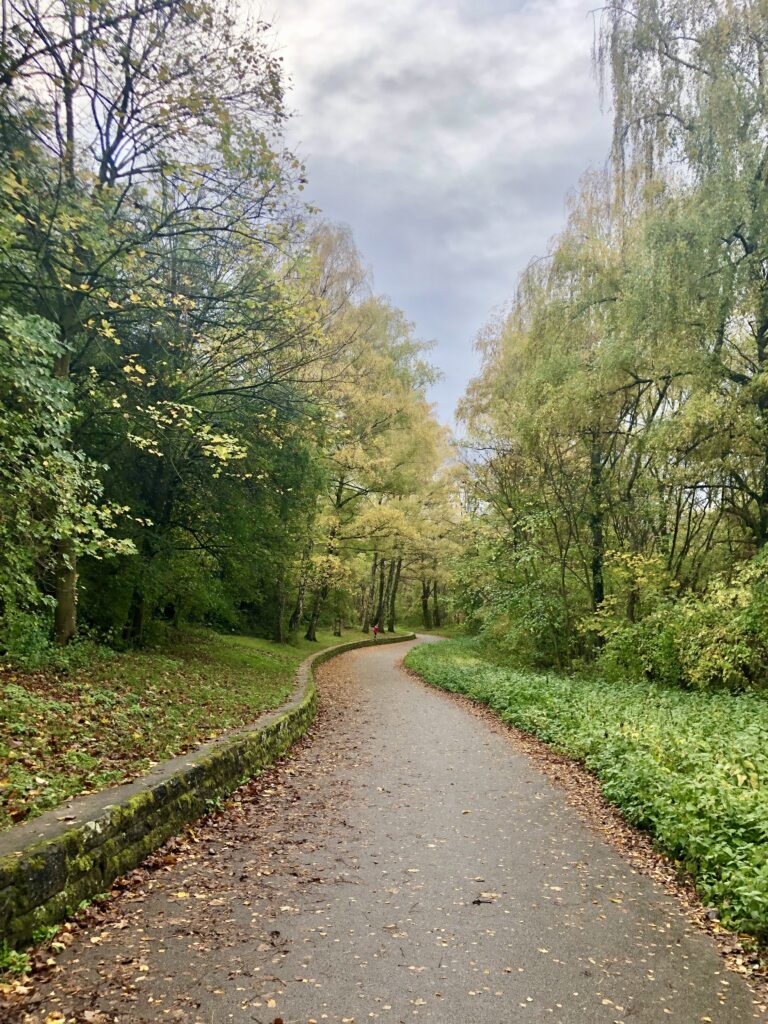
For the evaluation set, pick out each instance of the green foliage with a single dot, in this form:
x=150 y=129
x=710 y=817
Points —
x=14 y=961
x=26 y=643
x=46 y=933
x=617 y=433
x=716 y=640
x=48 y=490
x=691 y=768
x=187 y=358
x=26 y=638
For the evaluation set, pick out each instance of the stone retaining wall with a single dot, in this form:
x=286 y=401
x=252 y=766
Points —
x=52 y=863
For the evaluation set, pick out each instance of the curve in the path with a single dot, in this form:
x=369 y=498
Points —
x=406 y=865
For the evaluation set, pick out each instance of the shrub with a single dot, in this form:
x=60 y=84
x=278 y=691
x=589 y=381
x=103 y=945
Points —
x=25 y=643
x=711 y=641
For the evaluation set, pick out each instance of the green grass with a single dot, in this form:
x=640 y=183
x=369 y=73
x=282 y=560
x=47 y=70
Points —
x=690 y=767
x=62 y=734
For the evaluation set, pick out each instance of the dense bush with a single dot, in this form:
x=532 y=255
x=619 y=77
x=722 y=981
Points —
x=709 y=641
x=691 y=768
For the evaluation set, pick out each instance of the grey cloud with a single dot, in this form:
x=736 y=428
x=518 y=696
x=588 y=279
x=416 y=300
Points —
x=447 y=134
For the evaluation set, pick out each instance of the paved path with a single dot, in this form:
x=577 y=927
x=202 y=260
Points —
x=406 y=865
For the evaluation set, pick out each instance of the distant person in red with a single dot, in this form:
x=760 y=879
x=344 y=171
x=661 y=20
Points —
x=376 y=631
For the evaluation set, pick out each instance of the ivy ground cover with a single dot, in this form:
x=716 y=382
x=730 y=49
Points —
x=690 y=767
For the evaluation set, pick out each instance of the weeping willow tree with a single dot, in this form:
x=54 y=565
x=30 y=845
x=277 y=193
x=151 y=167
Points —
x=618 y=431
x=689 y=89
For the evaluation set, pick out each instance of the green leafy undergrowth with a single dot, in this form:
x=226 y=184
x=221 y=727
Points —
x=66 y=733
x=13 y=961
x=691 y=768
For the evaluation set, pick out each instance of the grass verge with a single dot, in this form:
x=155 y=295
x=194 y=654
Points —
x=691 y=768
x=63 y=734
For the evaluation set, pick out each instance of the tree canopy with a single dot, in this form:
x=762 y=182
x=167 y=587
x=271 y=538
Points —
x=207 y=414
x=617 y=436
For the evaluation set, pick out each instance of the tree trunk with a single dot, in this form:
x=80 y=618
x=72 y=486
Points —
x=314 y=616
x=337 y=626
x=380 y=602
x=137 y=613
x=438 y=621
x=393 y=597
x=298 y=609
x=596 y=526
x=65 y=616
x=371 y=593
x=387 y=592
x=278 y=631
x=426 y=615
x=633 y=600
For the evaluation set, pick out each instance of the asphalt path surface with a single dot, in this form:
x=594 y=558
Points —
x=406 y=864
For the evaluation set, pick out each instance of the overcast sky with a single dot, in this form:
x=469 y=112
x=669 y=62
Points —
x=447 y=134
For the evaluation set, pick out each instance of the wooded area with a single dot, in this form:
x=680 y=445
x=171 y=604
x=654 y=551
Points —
x=618 y=432
x=206 y=414
x=209 y=416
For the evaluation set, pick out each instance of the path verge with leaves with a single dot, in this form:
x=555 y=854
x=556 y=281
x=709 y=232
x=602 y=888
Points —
x=691 y=768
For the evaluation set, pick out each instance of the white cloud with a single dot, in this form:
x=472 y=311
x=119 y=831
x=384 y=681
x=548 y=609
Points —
x=446 y=134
